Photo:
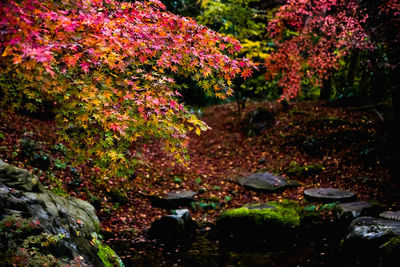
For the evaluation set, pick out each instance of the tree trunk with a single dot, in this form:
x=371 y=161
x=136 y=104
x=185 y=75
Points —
x=362 y=86
x=326 y=90
x=351 y=74
x=240 y=100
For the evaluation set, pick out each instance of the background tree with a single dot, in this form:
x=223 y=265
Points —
x=245 y=21
x=313 y=38
x=106 y=68
x=186 y=8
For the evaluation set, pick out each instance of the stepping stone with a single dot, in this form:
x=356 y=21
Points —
x=367 y=231
x=351 y=210
x=329 y=194
x=173 y=200
x=391 y=215
x=173 y=227
x=266 y=182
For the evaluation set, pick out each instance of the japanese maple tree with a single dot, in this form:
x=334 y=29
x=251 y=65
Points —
x=311 y=38
x=106 y=67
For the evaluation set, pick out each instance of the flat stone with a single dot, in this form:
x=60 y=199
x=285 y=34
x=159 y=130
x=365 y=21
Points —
x=173 y=200
x=351 y=210
x=329 y=194
x=391 y=215
x=265 y=181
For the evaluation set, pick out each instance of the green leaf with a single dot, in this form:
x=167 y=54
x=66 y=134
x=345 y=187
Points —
x=177 y=180
x=310 y=208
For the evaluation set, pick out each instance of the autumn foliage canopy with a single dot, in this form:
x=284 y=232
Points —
x=106 y=69
x=311 y=38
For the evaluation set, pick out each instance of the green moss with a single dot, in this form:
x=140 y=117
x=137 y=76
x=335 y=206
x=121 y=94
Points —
x=96 y=225
x=286 y=213
x=305 y=170
x=106 y=254
x=393 y=246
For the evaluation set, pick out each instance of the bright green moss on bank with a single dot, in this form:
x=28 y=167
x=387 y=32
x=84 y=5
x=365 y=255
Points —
x=286 y=213
x=106 y=254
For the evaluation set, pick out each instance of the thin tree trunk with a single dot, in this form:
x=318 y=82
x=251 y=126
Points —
x=362 y=86
x=351 y=74
x=326 y=89
x=240 y=101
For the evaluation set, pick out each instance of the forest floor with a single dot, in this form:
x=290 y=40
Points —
x=318 y=144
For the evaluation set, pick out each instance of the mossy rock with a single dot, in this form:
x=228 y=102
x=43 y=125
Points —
x=272 y=220
x=107 y=255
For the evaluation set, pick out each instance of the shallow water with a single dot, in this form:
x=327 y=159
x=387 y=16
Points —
x=207 y=250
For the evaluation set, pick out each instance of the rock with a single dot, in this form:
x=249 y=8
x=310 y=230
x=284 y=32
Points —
x=271 y=220
x=351 y=210
x=173 y=227
x=173 y=200
x=18 y=178
x=266 y=182
x=70 y=221
x=258 y=121
x=329 y=194
x=391 y=215
x=371 y=232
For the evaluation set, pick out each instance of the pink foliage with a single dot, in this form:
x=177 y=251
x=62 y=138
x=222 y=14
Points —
x=311 y=38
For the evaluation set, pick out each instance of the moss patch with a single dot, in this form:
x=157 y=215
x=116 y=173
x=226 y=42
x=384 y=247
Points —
x=305 y=170
x=106 y=254
x=286 y=213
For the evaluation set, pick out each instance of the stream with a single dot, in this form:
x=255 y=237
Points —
x=206 y=249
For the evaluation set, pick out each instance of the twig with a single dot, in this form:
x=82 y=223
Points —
x=379 y=115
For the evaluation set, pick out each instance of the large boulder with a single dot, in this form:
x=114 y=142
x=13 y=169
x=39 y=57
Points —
x=265 y=181
x=70 y=222
x=371 y=232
